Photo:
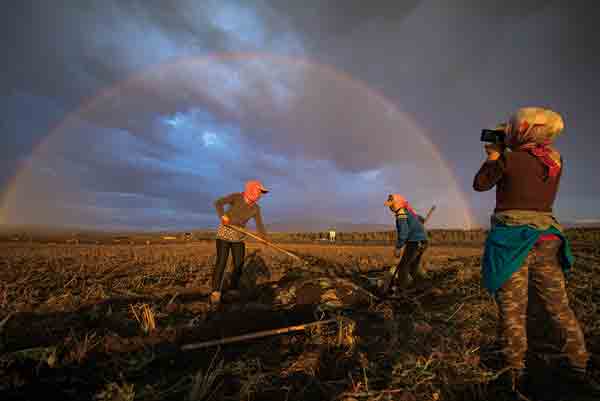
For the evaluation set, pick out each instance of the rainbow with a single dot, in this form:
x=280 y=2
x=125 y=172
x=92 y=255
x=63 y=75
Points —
x=9 y=194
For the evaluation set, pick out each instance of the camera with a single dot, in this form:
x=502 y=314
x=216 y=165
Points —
x=493 y=136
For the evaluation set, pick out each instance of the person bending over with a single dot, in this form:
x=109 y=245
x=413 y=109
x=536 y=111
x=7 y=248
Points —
x=242 y=207
x=411 y=234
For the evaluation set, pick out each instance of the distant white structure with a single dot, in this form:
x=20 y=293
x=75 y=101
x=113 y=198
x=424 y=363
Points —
x=332 y=234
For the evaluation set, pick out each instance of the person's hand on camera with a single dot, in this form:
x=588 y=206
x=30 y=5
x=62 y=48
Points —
x=493 y=151
x=225 y=219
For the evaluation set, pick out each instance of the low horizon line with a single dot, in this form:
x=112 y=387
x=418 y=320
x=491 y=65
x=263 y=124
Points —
x=33 y=228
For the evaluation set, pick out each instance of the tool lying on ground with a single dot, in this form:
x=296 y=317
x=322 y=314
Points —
x=259 y=334
x=388 y=281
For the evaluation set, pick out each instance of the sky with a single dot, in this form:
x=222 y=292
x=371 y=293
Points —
x=139 y=114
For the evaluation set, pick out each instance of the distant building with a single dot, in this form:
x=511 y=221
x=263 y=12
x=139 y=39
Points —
x=169 y=237
x=332 y=234
x=188 y=236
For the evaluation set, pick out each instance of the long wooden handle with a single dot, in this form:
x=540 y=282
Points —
x=256 y=237
x=258 y=334
x=429 y=213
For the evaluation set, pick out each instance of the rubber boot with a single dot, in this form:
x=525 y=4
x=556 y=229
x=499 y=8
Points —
x=402 y=279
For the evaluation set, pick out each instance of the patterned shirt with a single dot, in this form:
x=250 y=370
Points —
x=229 y=234
x=239 y=212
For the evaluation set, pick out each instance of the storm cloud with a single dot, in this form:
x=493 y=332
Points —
x=146 y=111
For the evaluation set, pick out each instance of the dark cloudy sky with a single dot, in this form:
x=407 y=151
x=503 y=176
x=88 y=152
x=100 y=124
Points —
x=139 y=113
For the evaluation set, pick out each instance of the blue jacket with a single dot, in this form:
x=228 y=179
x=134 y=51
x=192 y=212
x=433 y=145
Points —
x=409 y=228
x=506 y=248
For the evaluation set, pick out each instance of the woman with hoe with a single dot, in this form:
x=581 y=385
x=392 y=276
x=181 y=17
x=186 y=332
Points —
x=242 y=207
x=411 y=234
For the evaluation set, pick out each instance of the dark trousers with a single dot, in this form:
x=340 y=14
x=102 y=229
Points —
x=238 y=250
x=410 y=263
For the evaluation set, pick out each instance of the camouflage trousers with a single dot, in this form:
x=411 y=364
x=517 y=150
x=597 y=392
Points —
x=536 y=293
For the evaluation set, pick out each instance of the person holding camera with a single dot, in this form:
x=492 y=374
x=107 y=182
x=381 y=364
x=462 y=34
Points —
x=242 y=207
x=411 y=234
x=526 y=251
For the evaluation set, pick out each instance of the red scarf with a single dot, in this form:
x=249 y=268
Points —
x=252 y=192
x=401 y=202
x=544 y=153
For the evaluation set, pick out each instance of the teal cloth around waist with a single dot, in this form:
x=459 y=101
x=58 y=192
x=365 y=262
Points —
x=506 y=249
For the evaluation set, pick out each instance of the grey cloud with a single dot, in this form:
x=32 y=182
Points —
x=87 y=46
x=291 y=108
x=454 y=68
x=25 y=121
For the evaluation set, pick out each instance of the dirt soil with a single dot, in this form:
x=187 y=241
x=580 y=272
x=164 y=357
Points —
x=72 y=325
